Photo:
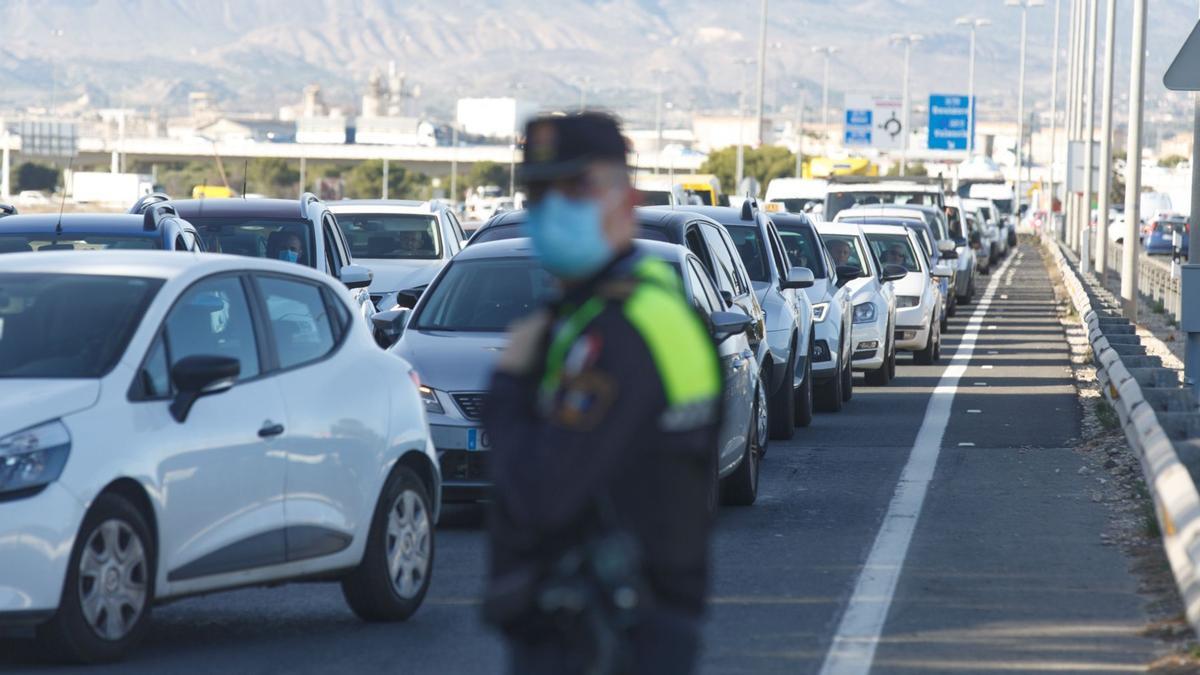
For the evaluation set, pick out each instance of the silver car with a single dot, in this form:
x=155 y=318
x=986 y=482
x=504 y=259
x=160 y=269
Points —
x=458 y=329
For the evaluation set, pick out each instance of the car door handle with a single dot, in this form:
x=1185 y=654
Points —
x=270 y=429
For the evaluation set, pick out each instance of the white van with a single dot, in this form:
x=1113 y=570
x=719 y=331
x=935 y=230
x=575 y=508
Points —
x=797 y=195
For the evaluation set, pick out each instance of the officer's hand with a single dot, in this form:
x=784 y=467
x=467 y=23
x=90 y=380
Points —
x=526 y=344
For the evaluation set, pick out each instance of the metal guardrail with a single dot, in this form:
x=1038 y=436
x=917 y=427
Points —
x=1158 y=279
x=1159 y=419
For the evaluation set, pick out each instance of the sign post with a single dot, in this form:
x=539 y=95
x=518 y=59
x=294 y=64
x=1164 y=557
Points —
x=1184 y=75
x=951 y=122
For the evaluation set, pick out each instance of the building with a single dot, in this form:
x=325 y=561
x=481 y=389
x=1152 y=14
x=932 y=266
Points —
x=501 y=118
x=411 y=131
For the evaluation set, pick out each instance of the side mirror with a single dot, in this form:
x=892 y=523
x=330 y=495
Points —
x=894 y=272
x=408 y=298
x=199 y=376
x=728 y=298
x=942 y=271
x=798 y=277
x=948 y=249
x=848 y=273
x=355 y=276
x=725 y=325
x=389 y=326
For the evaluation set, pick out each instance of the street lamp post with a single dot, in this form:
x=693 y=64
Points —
x=1054 y=109
x=1106 y=129
x=908 y=41
x=739 y=171
x=54 y=33
x=1024 y=5
x=658 y=116
x=762 y=74
x=800 y=130
x=825 y=52
x=1089 y=131
x=974 y=25
x=1133 y=161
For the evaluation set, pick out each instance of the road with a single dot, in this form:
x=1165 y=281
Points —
x=1003 y=570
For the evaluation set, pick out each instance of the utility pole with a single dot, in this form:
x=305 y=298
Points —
x=454 y=163
x=1054 y=110
x=799 y=132
x=1191 y=270
x=908 y=41
x=1106 y=124
x=1024 y=5
x=658 y=117
x=739 y=171
x=974 y=25
x=1133 y=161
x=384 y=192
x=1089 y=131
x=762 y=75
x=1069 y=204
x=826 y=52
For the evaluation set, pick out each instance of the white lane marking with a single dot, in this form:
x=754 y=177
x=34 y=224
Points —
x=974 y=411
x=993 y=352
x=981 y=384
x=853 y=648
x=966 y=445
x=988 y=367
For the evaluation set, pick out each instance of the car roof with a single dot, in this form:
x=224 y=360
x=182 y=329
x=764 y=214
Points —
x=238 y=208
x=891 y=210
x=663 y=217
x=884 y=186
x=78 y=223
x=725 y=215
x=165 y=265
x=885 y=228
x=521 y=247
x=838 y=227
x=792 y=219
x=404 y=206
x=884 y=220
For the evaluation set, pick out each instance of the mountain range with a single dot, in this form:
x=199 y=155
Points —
x=259 y=55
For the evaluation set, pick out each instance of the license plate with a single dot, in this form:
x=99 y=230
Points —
x=478 y=439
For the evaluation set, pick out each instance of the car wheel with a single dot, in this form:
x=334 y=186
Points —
x=391 y=581
x=924 y=356
x=804 y=399
x=741 y=487
x=892 y=363
x=937 y=347
x=847 y=381
x=953 y=309
x=109 y=589
x=944 y=323
x=782 y=410
x=829 y=395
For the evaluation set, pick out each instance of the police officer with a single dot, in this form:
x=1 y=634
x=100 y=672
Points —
x=603 y=415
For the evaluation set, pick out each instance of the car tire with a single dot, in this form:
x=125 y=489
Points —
x=390 y=584
x=848 y=382
x=804 y=398
x=892 y=363
x=781 y=413
x=114 y=543
x=829 y=395
x=937 y=347
x=740 y=488
x=924 y=356
x=881 y=376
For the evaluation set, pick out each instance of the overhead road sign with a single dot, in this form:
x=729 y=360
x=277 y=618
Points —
x=949 y=117
x=874 y=122
x=1184 y=73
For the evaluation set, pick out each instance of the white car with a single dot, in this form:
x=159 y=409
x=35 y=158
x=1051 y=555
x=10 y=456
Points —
x=918 y=296
x=874 y=298
x=404 y=243
x=187 y=424
x=993 y=232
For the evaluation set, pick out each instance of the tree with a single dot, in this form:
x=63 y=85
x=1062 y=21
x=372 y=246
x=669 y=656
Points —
x=764 y=164
x=487 y=173
x=365 y=181
x=1172 y=161
x=913 y=169
x=271 y=176
x=32 y=176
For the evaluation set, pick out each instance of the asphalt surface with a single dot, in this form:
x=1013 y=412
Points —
x=1004 y=572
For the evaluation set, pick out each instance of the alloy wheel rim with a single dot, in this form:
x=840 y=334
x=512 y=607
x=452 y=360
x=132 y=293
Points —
x=761 y=421
x=113 y=577
x=408 y=544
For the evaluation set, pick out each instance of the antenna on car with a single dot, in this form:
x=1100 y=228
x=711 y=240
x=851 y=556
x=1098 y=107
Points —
x=62 y=203
x=245 y=176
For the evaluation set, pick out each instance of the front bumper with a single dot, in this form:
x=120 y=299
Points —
x=826 y=357
x=865 y=356
x=912 y=328
x=463 y=456
x=36 y=536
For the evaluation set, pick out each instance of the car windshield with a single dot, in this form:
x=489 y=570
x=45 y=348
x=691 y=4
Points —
x=14 y=242
x=485 y=295
x=894 y=249
x=796 y=204
x=517 y=230
x=288 y=239
x=837 y=202
x=845 y=250
x=751 y=250
x=68 y=325
x=656 y=198
x=800 y=243
x=392 y=236
x=1004 y=205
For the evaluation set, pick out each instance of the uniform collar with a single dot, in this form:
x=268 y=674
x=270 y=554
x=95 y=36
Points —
x=620 y=266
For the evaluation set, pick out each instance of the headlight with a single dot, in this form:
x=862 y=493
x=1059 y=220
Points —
x=903 y=301
x=864 y=313
x=819 y=311
x=33 y=457
x=430 y=398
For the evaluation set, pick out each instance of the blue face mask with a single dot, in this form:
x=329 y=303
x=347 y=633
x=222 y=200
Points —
x=288 y=255
x=568 y=236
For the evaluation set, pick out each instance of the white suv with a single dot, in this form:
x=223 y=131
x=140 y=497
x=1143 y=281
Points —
x=404 y=243
x=190 y=424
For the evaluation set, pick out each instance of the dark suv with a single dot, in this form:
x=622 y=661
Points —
x=159 y=227
x=303 y=231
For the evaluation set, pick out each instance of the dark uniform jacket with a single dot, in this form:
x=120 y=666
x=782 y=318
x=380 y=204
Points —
x=623 y=412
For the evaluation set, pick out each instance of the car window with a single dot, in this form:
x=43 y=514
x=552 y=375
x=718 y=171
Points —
x=484 y=295
x=392 y=236
x=301 y=327
x=458 y=230
x=802 y=248
x=704 y=296
x=212 y=318
x=68 y=325
x=750 y=248
x=339 y=239
x=723 y=258
x=24 y=243
x=180 y=244
x=332 y=263
x=154 y=379
x=844 y=250
x=894 y=249
x=782 y=260
x=287 y=239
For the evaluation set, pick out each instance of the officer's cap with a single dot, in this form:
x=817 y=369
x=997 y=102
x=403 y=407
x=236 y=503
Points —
x=562 y=146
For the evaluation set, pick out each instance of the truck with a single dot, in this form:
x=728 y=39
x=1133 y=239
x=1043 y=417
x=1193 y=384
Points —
x=102 y=187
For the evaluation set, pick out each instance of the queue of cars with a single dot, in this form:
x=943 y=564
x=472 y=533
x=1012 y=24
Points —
x=190 y=422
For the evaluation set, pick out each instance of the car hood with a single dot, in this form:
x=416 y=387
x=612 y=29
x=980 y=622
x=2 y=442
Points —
x=400 y=275
x=820 y=291
x=452 y=361
x=24 y=403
